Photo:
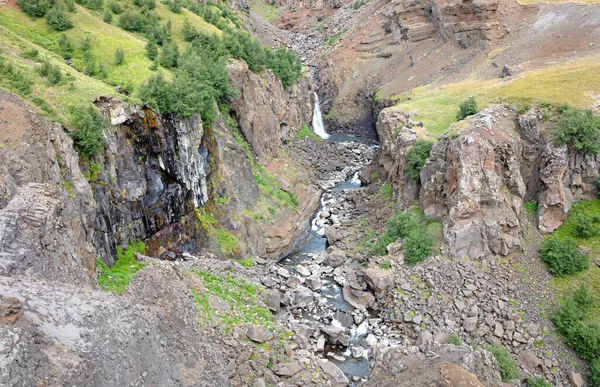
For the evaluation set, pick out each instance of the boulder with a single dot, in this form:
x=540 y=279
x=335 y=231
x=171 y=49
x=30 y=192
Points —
x=337 y=376
x=357 y=298
x=336 y=335
x=314 y=283
x=258 y=334
x=470 y=324
x=273 y=300
x=335 y=258
x=303 y=297
x=530 y=361
x=302 y=270
x=332 y=234
x=576 y=379
x=423 y=337
x=453 y=375
x=286 y=369
x=380 y=280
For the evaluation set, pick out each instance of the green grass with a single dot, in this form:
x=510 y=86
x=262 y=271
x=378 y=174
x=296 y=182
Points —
x=335 y=37
x=55 y=101
x=591 y=277
x=242 y=296
x=385 y=192
x=531 y=208
x=385 y=264
x=265 y=10
x=267 y=185
x=247 y=261
x=305 y=132
x=454 y=339
x=506 y=364
x=570 y=83
x=116 y=278
x=228 y=243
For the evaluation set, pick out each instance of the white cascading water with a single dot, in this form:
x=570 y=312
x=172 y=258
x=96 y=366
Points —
x=317 y=121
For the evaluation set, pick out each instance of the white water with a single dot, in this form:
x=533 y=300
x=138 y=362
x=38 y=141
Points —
x=317 y=121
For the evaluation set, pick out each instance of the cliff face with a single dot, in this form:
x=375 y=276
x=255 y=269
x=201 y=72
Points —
x=479 y=176
x=268 y=114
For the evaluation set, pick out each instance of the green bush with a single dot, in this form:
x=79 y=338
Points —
x=89 y=124
x=531 y=208
x=594 y=375
x=115 y=7
x=584 y=338
x=51 y=72
x=286 y=65
x=506 y=364
x=174 y=5
x=151 y=50
x=562 y=257
x=418 y=245
x=467 y=108
x=567 y=315
x=94 y=5
x=537 y=382
x=169 y=55
x=585 y=227
x=578 y=129
x=36 y=8
x=119 y=56
x=188 y=31
x=150 y=4
x=57 y=20
x=416 y=158
x=132 y=21
x=454 y=339
x=108 y=16
x=65 y=47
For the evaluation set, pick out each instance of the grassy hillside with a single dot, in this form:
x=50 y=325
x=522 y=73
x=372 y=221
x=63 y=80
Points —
x=569 y=83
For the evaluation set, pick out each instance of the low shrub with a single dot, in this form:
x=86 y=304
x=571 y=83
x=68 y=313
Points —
x=65 y=47
x=466 y=108
x=108 y=16
x=506 y=364
x=594 y=375
x=15 y=78
x=454 y=339
x=416 y=158
x=584 y=338
x=578 y=129
x=70 y=5
x=562 y=257
x=537 y=382
x=115 y=7
x=531 y=208
x=151 y=50
x=418 y=245
x=119 y=56
x=169 y=55
x=585 y=227
x=58 y=20
x=286 y=65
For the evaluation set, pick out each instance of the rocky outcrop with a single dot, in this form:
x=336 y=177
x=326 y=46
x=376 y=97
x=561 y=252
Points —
x=46 y=204
x=152 y=172
x=464 y=22
x=294 y=5
x=267 y=113
x=68 y=336
x=446 y=365
x=474 y=186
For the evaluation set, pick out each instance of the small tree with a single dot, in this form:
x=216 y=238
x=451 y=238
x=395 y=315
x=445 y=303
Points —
x=417 y=156
x=70 y=5
x=108 y=16
x=89 y=124
x=65 y=47
x=169 y=55
x=151 y=49
x=578 y=129
x=57 y=20
x=119 y=56
x=36 y=8
x=467 y=108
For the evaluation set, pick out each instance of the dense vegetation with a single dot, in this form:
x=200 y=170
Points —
x=562 y=256
x=413 y=229
x=416 y=158
x=578 y=129
x=466 y=108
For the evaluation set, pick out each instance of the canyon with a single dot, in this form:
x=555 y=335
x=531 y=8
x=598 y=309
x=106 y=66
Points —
x=242 y=250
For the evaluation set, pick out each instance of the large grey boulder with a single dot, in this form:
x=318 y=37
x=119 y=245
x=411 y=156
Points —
x=358 y=298
x=338 y=378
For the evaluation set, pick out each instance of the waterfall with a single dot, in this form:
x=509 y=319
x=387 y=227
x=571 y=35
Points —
x=317 y=121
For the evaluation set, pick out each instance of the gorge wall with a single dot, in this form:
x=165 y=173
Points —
x=480 y=174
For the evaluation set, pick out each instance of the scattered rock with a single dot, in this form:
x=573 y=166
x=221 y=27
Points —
x=380 y=280
x=530 y=361
x=258 y=334
x=357 y=298
x=273 y=300
x=335 y=258
x=339 y=379
x=286 y=369
x=453 y=375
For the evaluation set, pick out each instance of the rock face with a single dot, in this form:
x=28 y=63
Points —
x=46 y=204
x=477 y=183
x=158 y=169
x=267 y=113
x=473 y=184
x=67 y=336
x=465 y=23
